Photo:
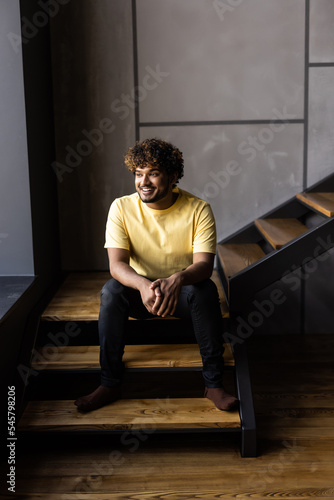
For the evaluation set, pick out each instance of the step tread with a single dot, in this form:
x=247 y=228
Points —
x=159 y=413
x=135 y=356
x=323 y=202
x=278 y=232
x=236 y=257
x=78 y=298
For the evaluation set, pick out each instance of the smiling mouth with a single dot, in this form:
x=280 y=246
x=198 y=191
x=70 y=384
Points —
x=146 y=190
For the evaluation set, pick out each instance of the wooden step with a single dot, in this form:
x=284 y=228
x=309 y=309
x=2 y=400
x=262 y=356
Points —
x=322 y=202
x=127 y=414
x=236 y=257
x=78 y=298
x=279 y=232
x=135 y=356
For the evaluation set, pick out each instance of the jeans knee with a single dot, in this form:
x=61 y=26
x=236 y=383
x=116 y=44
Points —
x=205 y=290
x=111 y=291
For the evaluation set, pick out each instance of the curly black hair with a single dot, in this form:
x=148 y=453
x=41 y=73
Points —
x=155 y=152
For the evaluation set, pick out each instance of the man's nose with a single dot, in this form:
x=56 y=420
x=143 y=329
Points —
x=145 y=180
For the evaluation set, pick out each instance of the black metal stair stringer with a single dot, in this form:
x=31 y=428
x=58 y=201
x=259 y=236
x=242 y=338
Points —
x=241 y=287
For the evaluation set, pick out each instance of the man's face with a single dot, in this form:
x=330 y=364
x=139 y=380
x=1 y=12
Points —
x=153 y=185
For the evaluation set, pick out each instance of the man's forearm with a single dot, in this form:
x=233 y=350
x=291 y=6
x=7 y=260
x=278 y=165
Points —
x=195 y=273
x=126 y=275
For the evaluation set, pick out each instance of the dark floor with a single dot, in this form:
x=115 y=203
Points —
x=293 y=383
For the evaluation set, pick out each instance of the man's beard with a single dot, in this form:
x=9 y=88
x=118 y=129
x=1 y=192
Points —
x=157 y=197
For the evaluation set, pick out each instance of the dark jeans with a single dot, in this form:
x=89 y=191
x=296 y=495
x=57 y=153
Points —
x=199 y=302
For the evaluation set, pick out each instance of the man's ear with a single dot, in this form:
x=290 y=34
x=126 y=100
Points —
x=173 y=178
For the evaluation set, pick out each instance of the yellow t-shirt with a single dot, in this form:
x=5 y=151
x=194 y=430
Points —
x=161 y=242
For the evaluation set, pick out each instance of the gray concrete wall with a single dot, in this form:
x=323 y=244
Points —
x=16 y=248
x=242 y=87
x=241 y=67
x=321 y=96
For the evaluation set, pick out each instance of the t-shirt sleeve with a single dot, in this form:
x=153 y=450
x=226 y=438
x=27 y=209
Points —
x=205 y=237
x=116 y=234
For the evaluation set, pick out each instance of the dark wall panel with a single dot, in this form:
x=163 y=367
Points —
x=92 y=55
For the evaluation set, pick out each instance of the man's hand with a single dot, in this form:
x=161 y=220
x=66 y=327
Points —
x=160 y=297
x=121 y=270
x=170 y=289
x=151 y=297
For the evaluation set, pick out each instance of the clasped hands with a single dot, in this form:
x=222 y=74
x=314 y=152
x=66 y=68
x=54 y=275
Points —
x=160 y=297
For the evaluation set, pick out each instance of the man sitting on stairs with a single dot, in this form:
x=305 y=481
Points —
x=161 y=244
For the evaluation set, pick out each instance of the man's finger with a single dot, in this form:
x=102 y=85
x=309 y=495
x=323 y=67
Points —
x=155 y=284
x=171 y=307
x=168 y=306
x=165 y=308
x=157 y=303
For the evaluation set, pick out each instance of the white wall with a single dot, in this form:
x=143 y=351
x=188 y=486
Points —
x=16 y=251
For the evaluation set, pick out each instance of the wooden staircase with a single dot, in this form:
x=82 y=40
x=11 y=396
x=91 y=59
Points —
x=172 y=399
x=163 y=388
x=262 y=252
